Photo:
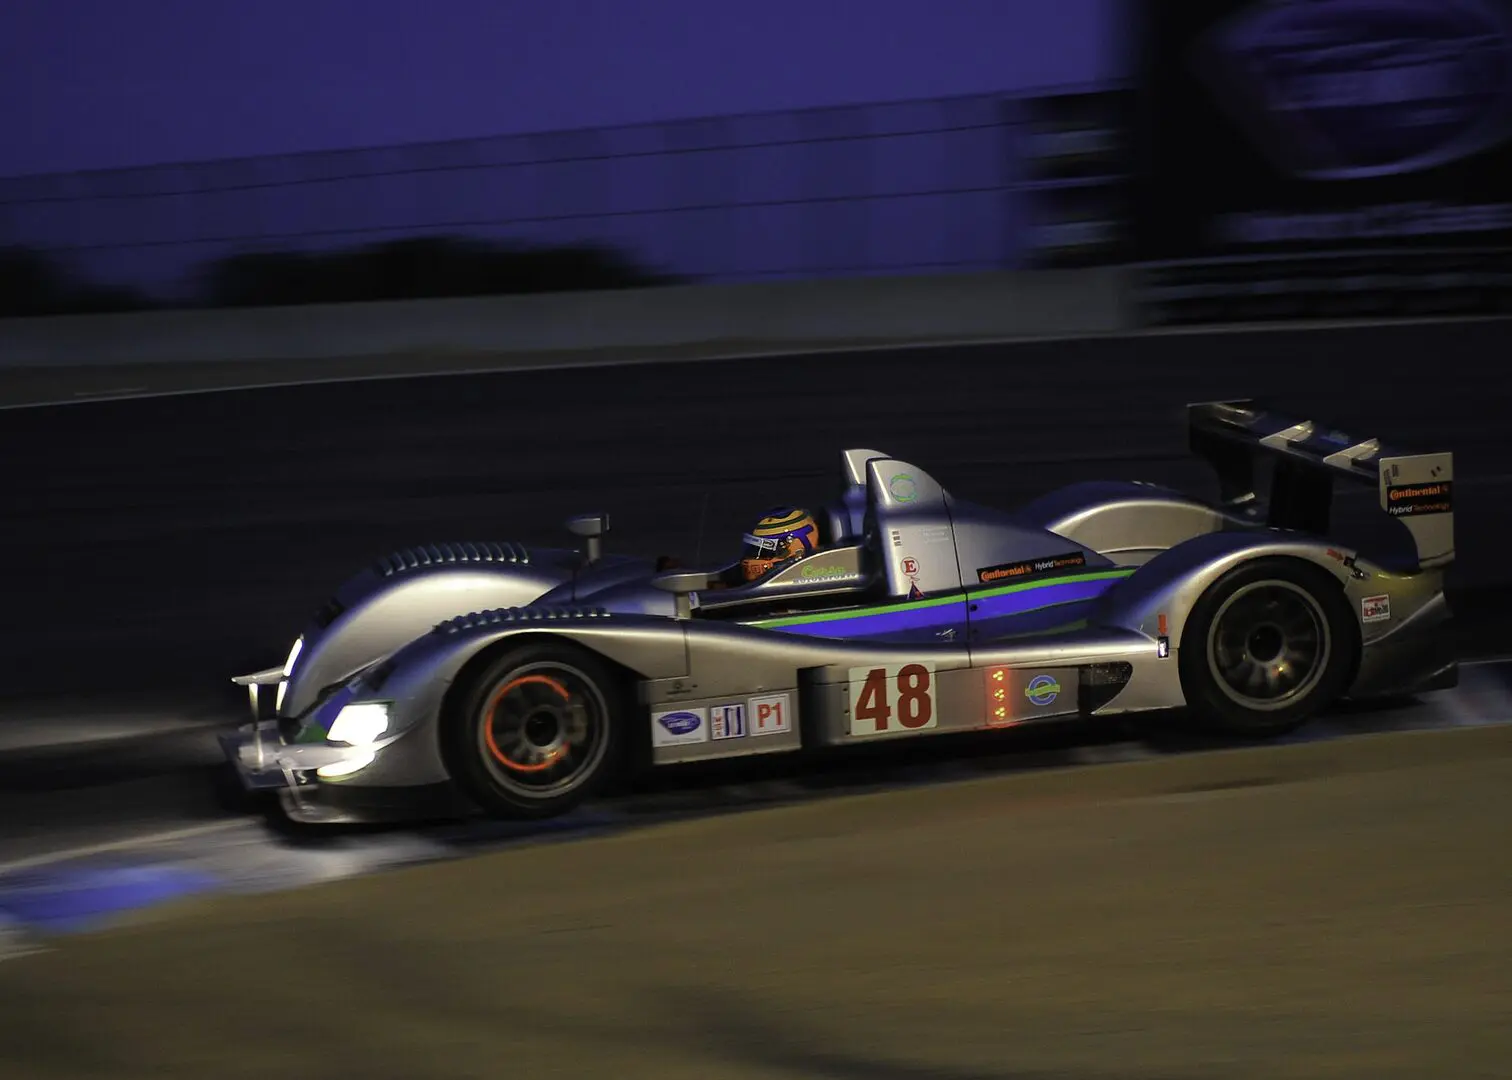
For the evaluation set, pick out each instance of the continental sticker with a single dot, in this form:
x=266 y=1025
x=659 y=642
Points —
x=1029 y=567
x=1406 y=500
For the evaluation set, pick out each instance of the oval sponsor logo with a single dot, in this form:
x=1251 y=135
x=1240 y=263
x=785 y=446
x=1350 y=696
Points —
x=1042 y=690
x=680 y=723
x=1345 y=89
x=902 y=488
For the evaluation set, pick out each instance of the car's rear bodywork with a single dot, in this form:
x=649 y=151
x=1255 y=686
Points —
x=921 y=614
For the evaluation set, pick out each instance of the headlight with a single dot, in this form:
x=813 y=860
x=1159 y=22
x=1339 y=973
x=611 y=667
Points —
x=360 y=723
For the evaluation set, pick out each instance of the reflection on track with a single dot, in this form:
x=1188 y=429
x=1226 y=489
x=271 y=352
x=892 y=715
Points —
x=101 y=871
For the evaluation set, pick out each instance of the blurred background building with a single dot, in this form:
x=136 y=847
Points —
x=1264 y=159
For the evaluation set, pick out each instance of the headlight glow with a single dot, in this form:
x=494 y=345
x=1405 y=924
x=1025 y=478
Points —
x=360 y=723
x=345 y=768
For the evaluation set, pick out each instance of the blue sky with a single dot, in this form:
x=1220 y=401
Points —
x=106 y=83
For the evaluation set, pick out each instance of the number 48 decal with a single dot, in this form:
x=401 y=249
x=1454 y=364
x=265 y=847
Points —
x=890 y=699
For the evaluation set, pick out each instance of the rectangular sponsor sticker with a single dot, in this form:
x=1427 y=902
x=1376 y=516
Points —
x=989 y=575
x=727 y=722
x=770 y=715
x=679 y=727
x=1406 y=500
x=1375 y=608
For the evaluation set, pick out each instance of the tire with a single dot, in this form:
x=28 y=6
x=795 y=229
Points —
x=537 y=731
x=1235 y=647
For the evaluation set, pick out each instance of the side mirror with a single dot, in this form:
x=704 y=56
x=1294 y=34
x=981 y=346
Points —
x=682 y=583
x=592 y=527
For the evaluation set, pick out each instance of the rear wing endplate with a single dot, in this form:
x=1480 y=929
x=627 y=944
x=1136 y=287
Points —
x=1415 y=489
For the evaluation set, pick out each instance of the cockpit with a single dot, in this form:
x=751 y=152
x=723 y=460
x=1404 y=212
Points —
x=793 y=559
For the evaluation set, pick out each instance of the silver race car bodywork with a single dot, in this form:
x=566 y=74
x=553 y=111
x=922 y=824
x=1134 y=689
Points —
x=920 y=614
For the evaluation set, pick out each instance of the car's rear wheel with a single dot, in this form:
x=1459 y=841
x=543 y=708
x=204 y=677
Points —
x=537 y=731
x=1268 y=646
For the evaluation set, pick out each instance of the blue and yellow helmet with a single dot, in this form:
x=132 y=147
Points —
x=783 y=533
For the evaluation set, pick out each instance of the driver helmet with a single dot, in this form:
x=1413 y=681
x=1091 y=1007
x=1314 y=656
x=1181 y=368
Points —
x=782 y=534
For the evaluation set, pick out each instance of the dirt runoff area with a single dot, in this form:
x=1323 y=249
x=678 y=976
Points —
x=1303 y=923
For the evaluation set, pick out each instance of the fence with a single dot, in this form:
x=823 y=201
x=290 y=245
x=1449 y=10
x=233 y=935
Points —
x=904 y=187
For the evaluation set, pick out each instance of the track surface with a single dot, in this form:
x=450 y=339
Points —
x=156 y=547
x=1352 y=927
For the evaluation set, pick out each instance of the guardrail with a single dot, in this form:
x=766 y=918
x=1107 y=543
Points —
x=1326 y=285
x=50 y=360
x=437 y=333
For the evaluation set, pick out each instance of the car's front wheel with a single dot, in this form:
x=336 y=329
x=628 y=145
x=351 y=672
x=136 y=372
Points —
x=1268 y=646
x=536 y=731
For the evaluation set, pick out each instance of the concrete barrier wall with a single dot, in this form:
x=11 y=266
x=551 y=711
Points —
x=808 y=314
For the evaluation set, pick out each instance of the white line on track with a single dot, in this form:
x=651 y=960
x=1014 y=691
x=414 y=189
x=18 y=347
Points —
x=41 y=736
x=715 y=354
x=208 y=828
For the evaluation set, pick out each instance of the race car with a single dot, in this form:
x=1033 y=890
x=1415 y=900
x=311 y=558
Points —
x=467 y=677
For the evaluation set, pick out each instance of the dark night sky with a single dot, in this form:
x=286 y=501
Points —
x=103 y=83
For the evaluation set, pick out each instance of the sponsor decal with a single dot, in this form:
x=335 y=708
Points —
x=910 y=569
x=897 y=537
x=1029 y=567
x=1162 y=639
x=681 y=727
x=902 y=488
x=1348 y=559
x=1042 y=690
x=831 y=572
x=762 y=544
x=1348 y=89
x=1406 y=500
x=770 y=715
x=934 y=534
x=1013 y=695
x=1375 y=609
x=727 y=721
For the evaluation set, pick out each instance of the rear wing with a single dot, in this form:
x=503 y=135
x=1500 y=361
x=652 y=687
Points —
x=1415 y=489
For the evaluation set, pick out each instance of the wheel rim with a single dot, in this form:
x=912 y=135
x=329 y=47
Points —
x=543 y=730
x=1269 y=645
